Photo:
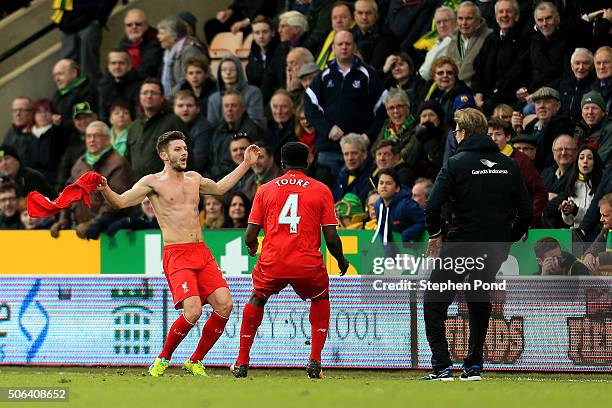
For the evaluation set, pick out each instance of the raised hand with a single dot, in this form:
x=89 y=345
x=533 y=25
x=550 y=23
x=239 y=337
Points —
x=251 y=154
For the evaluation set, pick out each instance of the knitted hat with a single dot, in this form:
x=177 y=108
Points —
x=434 y=106
x=7 y=150
x=188 y=18
x=349 y=206
x=593 y=97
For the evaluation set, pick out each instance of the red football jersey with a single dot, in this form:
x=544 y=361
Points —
x=291 y=210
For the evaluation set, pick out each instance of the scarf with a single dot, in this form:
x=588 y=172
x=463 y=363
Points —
x=169 y=57
x=119 y=140
x=91 y=159
x=507 y=150
x=74 y=84
x=394 y=132
x=60 y=6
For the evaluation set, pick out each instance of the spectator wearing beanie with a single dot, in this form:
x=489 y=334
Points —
x=25 y=178
x=595 y=128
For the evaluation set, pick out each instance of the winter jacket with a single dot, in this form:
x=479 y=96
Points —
x=599 y=137
x=403 y=215
x=571 y=91
x=488 y=198
x=535 y=186
x=142 y=137
x=125 y=89
x=257 y=65
x=251 y=96
x=84 y=13
x=360 y=185
x=376 y=45
x=119 y=177
x=353 y=102
x=145 y=53
x=466 y=64
x=64 y=100
x=549 y=59
x=220 y=162
x=554 y=127
x=499 y=66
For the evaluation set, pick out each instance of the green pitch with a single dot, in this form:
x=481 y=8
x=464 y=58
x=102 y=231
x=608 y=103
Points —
x=131 y=387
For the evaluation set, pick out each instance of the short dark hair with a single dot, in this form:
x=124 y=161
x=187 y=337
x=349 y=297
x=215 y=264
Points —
x=155 y=81
x=262 y=144
x=295 y=155
x=391 y=173
x=544 y=245
x=497 y=123
x=120 y=103
x=165 y=138
x=395 y=147
x=200 y=62
x=4 y=187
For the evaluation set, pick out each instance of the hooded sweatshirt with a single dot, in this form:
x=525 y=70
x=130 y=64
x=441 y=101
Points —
x=403 y=215
x=253 y=100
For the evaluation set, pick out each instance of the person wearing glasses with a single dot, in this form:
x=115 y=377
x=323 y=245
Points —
x=236 y=123
x=564 y=154
x=9 y=207
x=445 y=86
x=141 y=43
x=19 y=134
x=477 y=178
x=154 y=120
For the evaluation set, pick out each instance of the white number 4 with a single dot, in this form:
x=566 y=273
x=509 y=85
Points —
x=288 y=214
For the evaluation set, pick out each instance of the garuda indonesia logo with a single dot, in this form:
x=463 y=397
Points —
x=487 y=163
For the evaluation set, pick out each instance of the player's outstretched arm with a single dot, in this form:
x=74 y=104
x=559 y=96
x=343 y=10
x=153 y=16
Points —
x=221 y=187
x=129 y=198
x=334 y=244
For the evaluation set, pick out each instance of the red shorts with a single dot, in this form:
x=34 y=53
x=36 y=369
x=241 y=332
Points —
x=191 y=270
x=308 y=287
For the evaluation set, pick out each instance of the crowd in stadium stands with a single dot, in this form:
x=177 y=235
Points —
x=370 y=86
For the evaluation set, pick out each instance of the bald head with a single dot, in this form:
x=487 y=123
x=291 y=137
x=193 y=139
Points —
x=344 y=47
x=135 y=24
x=65 y=71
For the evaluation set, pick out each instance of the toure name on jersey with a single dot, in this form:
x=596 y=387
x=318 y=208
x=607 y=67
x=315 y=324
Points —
x=489 y=171
x=292 y=181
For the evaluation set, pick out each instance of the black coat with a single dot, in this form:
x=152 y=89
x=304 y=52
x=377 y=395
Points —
x=220 y=162
x=488 y=198
x=126 y=89
x=257 y=66
x=151 y=53
x=549 y=59
x=571 y=91
x=556 y=126
x=85 y=92
x=376 y=45
x=499 y=67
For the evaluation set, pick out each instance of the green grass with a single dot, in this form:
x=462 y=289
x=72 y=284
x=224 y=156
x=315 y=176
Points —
x=131 y=387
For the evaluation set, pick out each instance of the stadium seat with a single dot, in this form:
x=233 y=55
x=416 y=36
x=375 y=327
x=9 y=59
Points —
x=245 y=49
x=225 y=44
